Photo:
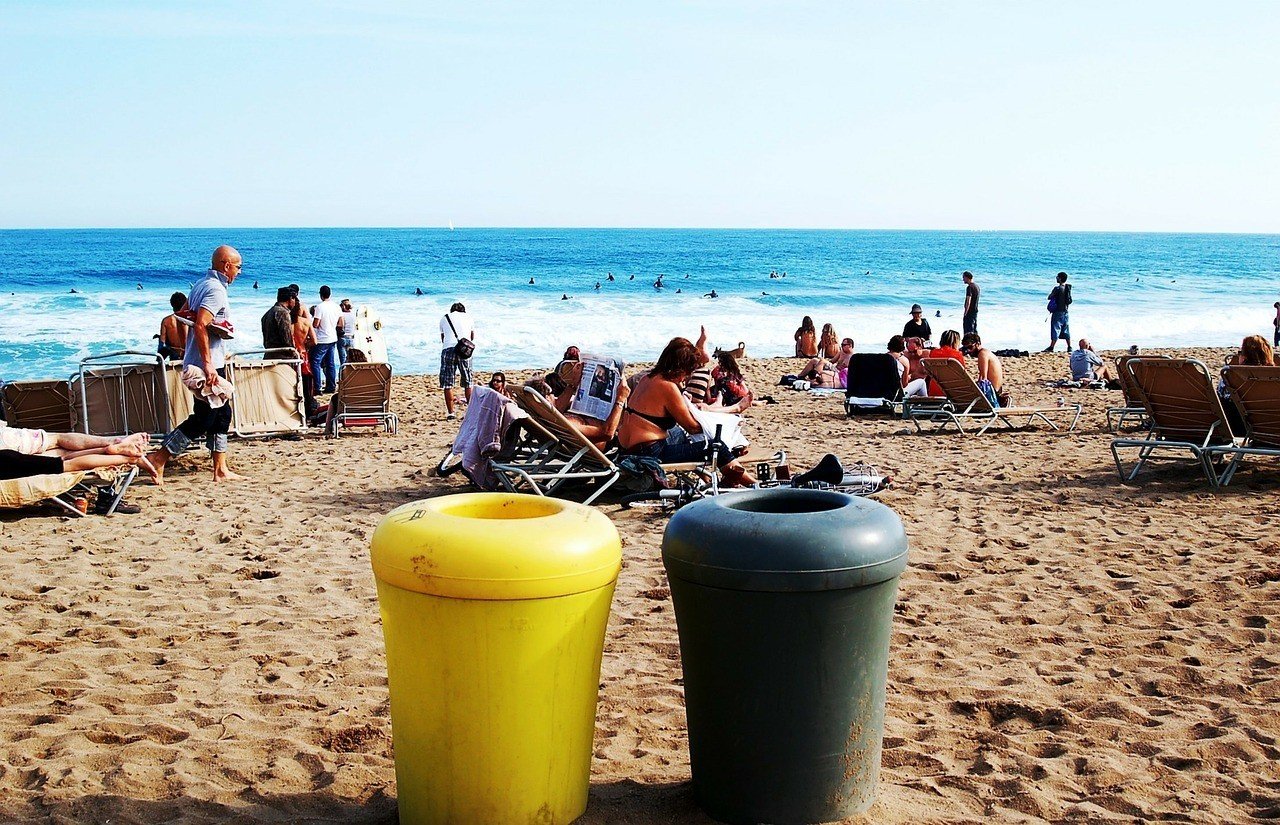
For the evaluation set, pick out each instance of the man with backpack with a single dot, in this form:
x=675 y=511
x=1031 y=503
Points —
x=457 y=338
x=1059 y=301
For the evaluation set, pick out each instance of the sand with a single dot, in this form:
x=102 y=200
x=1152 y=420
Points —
x=1065 y=647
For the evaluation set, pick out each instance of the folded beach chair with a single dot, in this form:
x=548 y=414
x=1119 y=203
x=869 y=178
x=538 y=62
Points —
x=363 y=399
x=38 y=405
x=179 y=401
x=120 y=393
x=1186 y=416
x=873 y=384
x=1256 y=393
x=1133 y=410
x=268 y=399
x=58 y=489
x=967 y=403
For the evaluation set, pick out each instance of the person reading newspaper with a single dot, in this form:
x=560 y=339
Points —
x=594 y=396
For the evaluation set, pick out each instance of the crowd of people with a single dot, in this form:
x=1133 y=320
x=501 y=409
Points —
x=653 y=413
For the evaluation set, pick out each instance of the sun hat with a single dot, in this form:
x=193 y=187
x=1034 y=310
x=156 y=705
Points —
x=916 y=308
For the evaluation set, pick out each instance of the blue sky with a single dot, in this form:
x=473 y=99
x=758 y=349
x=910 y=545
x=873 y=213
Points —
x=984 y=115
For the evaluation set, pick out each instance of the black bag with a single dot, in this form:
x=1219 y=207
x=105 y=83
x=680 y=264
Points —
x=465 y=347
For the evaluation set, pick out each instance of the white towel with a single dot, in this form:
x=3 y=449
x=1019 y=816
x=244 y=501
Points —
x=215 y=396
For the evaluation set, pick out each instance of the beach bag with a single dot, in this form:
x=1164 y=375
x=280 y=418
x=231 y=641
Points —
x=465 y=346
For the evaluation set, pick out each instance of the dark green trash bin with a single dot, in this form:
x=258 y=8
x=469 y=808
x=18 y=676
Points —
x=784 y=602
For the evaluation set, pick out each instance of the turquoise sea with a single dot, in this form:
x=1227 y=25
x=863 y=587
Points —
x=1147 y=289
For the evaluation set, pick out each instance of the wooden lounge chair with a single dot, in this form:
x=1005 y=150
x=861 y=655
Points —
x=1256 y=393
x=967 y=403
x=1133 y=410
x=363 y=399
x=1186 y=416
x=572 y=458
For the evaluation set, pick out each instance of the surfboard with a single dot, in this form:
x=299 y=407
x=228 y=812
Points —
x=369 y=338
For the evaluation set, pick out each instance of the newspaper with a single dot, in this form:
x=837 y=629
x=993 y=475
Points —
x=598 y=389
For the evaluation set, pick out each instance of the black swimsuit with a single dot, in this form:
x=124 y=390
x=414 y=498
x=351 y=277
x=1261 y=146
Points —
x=666 y=422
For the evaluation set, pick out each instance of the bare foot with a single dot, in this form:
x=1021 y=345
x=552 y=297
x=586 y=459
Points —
x=154 y=464
x=156 y=473
x=227 y=475
x=125 y=448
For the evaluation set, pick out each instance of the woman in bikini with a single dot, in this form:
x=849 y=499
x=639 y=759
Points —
x=829 y=344
x=806 y=339
x=656 y=420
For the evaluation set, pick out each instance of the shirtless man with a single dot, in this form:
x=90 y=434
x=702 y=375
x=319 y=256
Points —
x=206 y=354
x=173 y=331
x=989 y=367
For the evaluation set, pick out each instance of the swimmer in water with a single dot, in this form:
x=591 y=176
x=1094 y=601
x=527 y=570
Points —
x=764 y=293
x=417 y=290
x=530 y=282
x=678 y=291
x=139 y=286
x=597 y=286
x=632 y=278
x=711 y=294
x=75 y=291
x=255 y=284
x=564 y=296
x=610 y=278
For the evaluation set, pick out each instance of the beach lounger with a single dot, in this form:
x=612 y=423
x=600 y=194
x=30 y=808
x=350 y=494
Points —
x=1133 y=410
x=1255 y=391
x=967 y=403
x=268 y=399
x=873 y=384
x=38 y=405
x=58 y=489
x=363 y=399
x=120 y=393
x=572 y=458
x=1186 y=416
x=179 y=401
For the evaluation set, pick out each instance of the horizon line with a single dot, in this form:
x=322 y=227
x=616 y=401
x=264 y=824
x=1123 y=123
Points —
x=485 y=227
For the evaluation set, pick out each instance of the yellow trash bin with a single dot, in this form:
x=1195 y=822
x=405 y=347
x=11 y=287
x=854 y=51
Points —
x=494 y=608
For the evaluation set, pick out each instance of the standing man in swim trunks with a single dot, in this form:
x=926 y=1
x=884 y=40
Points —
x=206 y=353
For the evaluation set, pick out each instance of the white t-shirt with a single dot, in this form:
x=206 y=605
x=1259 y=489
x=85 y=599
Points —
x=461 y=322
x=349 y=323
x=325 y=322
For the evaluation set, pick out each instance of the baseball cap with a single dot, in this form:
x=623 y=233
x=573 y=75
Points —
x=916 y=308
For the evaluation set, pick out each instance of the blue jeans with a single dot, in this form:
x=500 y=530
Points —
x=344 y=344
x=971 y=322
x=324 y=359
x=1059 y=327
